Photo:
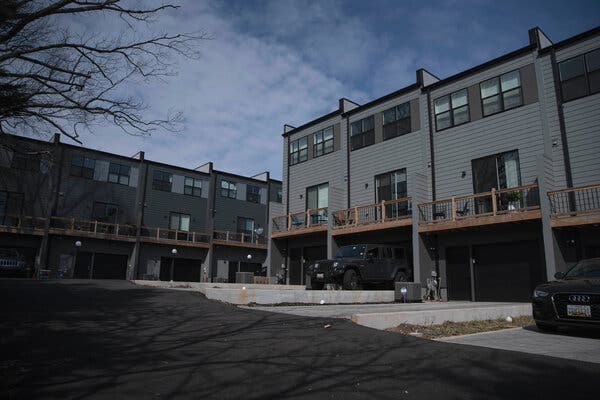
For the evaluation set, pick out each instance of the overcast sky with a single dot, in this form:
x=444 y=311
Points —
x=280 y=61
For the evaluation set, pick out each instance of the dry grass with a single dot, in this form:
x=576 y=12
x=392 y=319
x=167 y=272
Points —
x=460 y=328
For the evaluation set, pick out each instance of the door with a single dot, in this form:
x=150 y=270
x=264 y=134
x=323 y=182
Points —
x=500 y=171
x=83 y=265
x=295 y=266
x=458 y=273
x=233 y=268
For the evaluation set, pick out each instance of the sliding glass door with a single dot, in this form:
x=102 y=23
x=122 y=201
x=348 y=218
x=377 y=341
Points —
x=317 y=197
x=392 y=186
x=500 y=171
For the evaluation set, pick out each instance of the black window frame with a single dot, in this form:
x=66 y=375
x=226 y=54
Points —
x=120 y=171
x=396 y=127
x=160 y=183
x=228 y=191
x=451 y=110
x=245 y=220
x=586 y=76
x=179 y=215
x=301 y=153
x=192 y=190
x=363 y=138
x=253 y=194
x=501 y=93
x=82 y=170
x=323 y=146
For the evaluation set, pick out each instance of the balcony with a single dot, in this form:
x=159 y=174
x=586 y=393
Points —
x=309 y=221
x=575 y=206
x=494 y=207
x=101 y=230
x=226 y=238
x=372 y=217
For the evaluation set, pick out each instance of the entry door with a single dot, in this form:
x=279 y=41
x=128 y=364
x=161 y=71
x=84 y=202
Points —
x=458 y=273
x=295 y=266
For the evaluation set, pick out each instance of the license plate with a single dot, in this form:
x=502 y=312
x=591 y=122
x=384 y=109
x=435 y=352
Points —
x=577 y=310
x=320 y=276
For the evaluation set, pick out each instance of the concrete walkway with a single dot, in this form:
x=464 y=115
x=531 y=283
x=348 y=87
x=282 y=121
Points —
x=572 y=345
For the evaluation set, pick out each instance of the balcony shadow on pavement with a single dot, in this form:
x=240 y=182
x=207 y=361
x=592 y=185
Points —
x=107 y=339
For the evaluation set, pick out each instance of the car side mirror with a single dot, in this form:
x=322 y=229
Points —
x=559 y=275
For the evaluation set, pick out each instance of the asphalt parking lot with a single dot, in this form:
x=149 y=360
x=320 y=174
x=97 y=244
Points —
x=111 y=339
x=569 y=344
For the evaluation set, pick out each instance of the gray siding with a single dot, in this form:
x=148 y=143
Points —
x=228 y=210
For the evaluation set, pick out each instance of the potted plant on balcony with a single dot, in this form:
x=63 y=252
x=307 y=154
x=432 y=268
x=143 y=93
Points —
x=512 y=199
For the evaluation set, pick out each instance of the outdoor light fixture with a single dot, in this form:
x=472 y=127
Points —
x=78 y=243
x=249 y=256
x=259 y=231
x=174 y=252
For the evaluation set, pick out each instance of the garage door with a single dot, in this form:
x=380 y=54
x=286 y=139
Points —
x=110 y=266
x=185 y=269
x=458 y=273
x=506 y=271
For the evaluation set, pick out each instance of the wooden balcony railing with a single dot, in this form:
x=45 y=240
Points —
x=385 y=211
x=579 y=205
x=95 y=227
x=237 y=238
x=492 y=203
x=161 y=234
x=306 y=219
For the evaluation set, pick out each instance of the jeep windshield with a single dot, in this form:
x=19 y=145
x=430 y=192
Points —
x=356 y=251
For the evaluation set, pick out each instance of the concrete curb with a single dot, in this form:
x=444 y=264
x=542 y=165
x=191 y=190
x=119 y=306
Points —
x=450 y=338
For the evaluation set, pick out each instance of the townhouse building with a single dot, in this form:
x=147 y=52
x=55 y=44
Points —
x=487 y=177
x=132 y=218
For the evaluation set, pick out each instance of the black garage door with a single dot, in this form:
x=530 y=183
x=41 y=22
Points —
x=458 y=273
x=506 y=271
x=185 y=269
x=101 y=266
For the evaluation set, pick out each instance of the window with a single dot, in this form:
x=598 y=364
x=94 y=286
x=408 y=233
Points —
x=501 y=93
x=580 y=76
x=193 y=187
x=362 y=133
x=253 y=194
x=396 y=121
x=179 y=222
x=299 y=150
x=105 y=212
x=162 y=181
x=118 y=173
x=499 y=171
x=392 y=186
x=83 y=167
x=323 y=142
x=451 y=110
x=29 y=162
x=279 y=195
x=245 y=225
x=317 y=196
x=228 y=189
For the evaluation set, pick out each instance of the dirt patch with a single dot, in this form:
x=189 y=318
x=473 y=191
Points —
x=460 y=328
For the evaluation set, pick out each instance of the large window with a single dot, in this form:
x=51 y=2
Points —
x=317 y=196
x=105 y=212
x=179 y=222
x=162 y=181
x=118 y=173
x=580 y=76
x=396 y=121
x=253 y=194
x=323 y=142
x=362 y=133
x=451 y=110
x=228 y=189
x=392 y=186
x=193 y=187
x=299 y=150
x=83 y=167
x=499 y=171
x=501 y=93
x=245 y=225
x=279 y=195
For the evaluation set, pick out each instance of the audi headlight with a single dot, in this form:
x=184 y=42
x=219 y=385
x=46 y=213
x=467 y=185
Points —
x=540 y=293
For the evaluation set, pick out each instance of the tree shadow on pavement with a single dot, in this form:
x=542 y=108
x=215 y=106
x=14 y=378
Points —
x=94 y=339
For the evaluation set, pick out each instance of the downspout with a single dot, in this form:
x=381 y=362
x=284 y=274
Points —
x=348 y=160
x=143 y=177
x=436 y=253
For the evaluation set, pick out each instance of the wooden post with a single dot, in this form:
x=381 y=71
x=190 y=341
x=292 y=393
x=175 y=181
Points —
x=382 y=211
x=243 y=237
x=96 y=226
x=307 y=218
x=72 y=223
x=494 y=205
x=157 y=233
x=289 y=222
x=355 y=216
x=227 y=236
x=117 y=230
x=453 y=209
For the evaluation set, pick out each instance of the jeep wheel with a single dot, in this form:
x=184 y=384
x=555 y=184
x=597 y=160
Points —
x=400 y=277
x=350 y=280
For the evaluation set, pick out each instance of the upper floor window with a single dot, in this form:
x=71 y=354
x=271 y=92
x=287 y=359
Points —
x=317 y=196
x=362 y=133
x=279 y=195
x=228 y=189
x=118 y=173
x=193 y=187
x=323 y=142
x=396 y=121
x=451 y=110
x=162 y=181
x=501 y=93
x=179 y=222
x=253 y=194
x=299 y=150
x=105 y=212
x=580 y=76
x=245 y=225
x=83 y=166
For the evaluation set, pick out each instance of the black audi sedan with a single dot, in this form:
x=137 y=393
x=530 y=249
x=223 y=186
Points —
x=573 y=299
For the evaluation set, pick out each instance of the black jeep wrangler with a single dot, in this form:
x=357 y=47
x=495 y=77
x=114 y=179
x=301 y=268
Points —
x=361 y=264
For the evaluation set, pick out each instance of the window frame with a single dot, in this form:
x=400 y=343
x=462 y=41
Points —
x=159 y=184
x=323 y=143
x=106 y=206
x=317 y=188
x=299 y=151
x=73 y=168
x=501 y=93
x=367 y=137
x=253 y=197
x=451 y=110
x=179 y=215
x=279 y=195
x=586 y=75
x=245 y=231
x=119 y=173
x=396 y=121
x=228 y=190
x=192 y=188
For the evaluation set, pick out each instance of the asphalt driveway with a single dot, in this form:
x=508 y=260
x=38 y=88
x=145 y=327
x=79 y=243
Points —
x=78 y=339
